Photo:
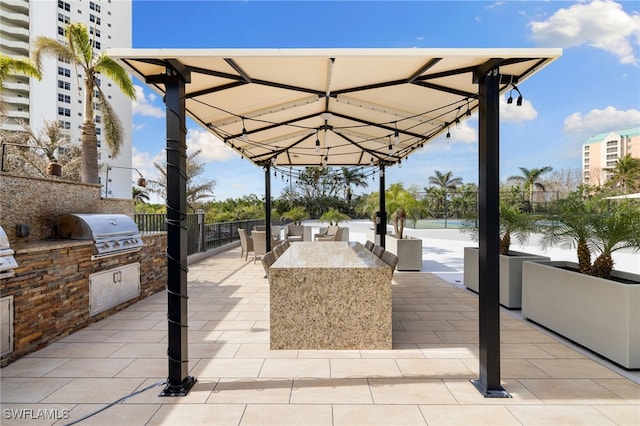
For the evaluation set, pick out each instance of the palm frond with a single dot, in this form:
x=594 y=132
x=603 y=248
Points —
x=44 y=47
x=115 y=72
x=80 y=43
x=111 y=123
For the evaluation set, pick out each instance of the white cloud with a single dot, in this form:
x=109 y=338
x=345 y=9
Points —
x=513 y=113
x=463 y=132
x=602 y=24
x=213 y=149
x=600 y=120
x=143 y=104
x=138 y=126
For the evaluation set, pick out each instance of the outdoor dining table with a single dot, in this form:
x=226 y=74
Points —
x=330 y=295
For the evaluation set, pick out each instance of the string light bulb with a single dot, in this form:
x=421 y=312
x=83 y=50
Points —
x=244 y=131
x=317 y=142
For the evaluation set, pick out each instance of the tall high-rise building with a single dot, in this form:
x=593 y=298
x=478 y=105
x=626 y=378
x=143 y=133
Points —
x=14 y=42
x=59 y=95
x=602 y=151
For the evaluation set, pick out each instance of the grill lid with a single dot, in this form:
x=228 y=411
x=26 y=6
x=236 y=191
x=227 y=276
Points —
x=111 y=233
x=7 y=261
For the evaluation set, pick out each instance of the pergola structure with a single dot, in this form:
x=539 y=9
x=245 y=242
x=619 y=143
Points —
x=333 y=107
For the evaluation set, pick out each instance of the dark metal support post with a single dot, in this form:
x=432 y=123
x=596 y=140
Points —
x=382 y=226
x=267 y=204
x=179 y=382
x=489 y=230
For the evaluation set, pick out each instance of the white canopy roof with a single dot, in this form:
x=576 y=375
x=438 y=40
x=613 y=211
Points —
x=351 y=102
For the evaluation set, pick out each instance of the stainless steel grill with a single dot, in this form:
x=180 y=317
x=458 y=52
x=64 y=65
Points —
x=7 y=261
x=111 y=233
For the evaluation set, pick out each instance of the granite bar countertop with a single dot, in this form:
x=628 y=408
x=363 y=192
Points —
x=328 y=254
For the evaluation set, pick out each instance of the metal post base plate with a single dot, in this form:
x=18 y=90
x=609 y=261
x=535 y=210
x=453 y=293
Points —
x=181 y=389
x=492 y=393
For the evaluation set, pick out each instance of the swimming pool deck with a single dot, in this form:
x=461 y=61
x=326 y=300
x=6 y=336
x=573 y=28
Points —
x=424 y=379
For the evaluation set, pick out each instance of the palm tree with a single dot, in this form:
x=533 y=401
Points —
x=445 y=181
x=403 y=204
x=530 y=178
x=79 y=50
x=9 y=65
x=351 y=177
x=139 y=195
x=626 y=174
x=197 y=189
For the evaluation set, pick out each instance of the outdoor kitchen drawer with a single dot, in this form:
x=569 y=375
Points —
x=113 y=287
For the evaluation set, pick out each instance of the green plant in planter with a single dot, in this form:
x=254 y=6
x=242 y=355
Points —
x=403 y=204
x=594 y=225
x=515 y=222
x=296 y=214
x=333 y=216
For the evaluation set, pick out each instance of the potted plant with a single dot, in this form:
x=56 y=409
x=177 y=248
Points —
x=589 y=302
x=515 y=222
x=402 y=204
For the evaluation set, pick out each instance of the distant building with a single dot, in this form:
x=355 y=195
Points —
x=601 y=151
x=59 y=96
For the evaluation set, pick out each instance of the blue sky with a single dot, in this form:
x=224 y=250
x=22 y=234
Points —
x=593 y=88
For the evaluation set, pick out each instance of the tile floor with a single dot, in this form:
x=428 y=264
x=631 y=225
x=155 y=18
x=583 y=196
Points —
x=424 y=380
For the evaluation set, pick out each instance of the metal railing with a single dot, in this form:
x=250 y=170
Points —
x=200 y=236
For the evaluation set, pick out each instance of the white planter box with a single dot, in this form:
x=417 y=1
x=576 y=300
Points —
x=510 y=274
x=602 y=315
x=408 y=250
x=372 y=236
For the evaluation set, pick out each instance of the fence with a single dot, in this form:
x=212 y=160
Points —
x=450 y=209
x=200 y=236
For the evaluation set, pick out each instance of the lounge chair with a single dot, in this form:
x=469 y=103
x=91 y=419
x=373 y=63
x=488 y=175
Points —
x=246 y=243
x=259 y=244
x=330 y=234
x=294 y=233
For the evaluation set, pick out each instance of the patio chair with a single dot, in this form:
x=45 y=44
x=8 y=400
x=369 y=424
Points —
x=259 y=244
x=246 y=243
x=369 y=245
x=378 y=250
x=330 y=234
x=279 y=249
x=390 y=259
x=294 y=233
x=267 y=261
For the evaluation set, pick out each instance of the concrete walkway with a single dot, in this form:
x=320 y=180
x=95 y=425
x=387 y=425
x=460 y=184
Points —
x=424 y=380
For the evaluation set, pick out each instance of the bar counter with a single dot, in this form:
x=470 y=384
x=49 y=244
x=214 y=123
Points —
x=330 y=295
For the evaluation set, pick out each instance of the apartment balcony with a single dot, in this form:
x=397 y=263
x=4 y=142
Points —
x=15 y=114
x=16 y=5
x=15 y=100
x=14 y=31
x=17 y=18
x=18 y=46
x=16 y=86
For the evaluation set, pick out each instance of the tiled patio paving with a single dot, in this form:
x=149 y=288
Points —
x=423 y=380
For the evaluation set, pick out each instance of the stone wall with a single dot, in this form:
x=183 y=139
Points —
x=38 y=202
x=51 y=288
